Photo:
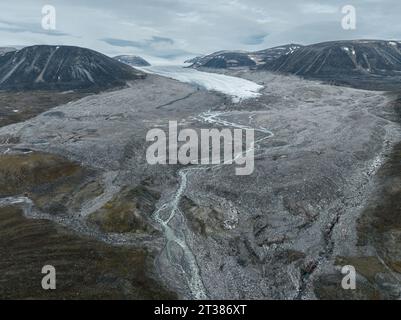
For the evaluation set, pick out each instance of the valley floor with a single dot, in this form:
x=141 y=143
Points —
x=78 y=174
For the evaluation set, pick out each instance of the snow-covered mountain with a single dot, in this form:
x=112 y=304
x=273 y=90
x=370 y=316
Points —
x=235 y=59
x=224 y=59
x=133 y=61
x=360 y=63
x=62 y=67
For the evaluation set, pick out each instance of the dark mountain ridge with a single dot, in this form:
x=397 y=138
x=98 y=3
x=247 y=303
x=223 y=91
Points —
x=367 y=64
x=235 y=59
x=4 y=50
x=63 y=68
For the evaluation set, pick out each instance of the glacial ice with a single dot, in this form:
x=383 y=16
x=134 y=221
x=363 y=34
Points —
x=239 y=89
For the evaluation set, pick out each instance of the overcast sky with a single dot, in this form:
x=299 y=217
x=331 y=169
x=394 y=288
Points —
x=177 y=29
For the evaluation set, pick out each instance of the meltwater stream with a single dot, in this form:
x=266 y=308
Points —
x=238 y=89
x=178 y=234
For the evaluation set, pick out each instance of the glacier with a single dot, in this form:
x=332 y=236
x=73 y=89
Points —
x=237 y=88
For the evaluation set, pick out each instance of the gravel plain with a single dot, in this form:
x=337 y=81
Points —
x=280 y=233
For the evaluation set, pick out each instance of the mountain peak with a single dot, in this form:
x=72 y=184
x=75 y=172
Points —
x=359 y=63
x=132 y=60
x=237 y=58
x=62 y=67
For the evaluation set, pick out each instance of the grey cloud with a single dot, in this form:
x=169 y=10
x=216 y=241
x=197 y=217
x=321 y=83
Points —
x=122 y=42
x=161 y=40
x=137 y=44
x=255 y=39
x=157 y=46
x=28 y=27
x=172 y=28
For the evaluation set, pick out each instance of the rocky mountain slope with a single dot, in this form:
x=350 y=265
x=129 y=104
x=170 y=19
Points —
x=368 y=64
x=62 y=67
x=234 y=59
x=133 y=61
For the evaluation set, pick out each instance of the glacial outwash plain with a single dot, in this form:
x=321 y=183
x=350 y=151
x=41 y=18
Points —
x=77 y=192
